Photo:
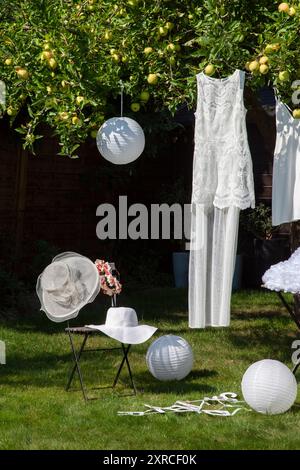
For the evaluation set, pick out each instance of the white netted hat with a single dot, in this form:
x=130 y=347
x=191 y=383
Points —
x=122 y=324
x=65 y=286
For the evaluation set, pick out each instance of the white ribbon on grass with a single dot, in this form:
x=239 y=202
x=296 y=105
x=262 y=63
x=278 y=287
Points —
x=224 y=401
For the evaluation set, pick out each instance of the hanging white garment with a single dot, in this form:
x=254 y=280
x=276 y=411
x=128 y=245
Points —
x=222 y=185
x=286 y=167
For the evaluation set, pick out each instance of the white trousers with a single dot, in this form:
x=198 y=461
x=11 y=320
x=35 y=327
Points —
x=214 y=234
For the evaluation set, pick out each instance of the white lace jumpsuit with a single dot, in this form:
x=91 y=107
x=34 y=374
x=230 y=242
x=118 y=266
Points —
x=222 y=185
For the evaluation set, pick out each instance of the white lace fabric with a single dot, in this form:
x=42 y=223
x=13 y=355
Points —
x=222 y=186
x=222 y=165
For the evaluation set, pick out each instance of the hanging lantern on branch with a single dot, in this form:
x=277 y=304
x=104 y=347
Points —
x=120 y=140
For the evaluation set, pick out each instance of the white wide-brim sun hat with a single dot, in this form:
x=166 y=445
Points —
x=122 y=325
x=65 y=286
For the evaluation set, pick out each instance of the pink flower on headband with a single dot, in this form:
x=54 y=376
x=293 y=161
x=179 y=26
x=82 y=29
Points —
x=109 y=278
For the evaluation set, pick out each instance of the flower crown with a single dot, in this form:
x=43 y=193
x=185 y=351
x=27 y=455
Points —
x=109 y=278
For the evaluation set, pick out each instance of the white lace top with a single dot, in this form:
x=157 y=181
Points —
x=222 y=174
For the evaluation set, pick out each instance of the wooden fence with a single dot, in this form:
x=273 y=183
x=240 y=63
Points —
x=54 y=198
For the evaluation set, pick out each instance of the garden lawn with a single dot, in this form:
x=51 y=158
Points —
x=37 y=413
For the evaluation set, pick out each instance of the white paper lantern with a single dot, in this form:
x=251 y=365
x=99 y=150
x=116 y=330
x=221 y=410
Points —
x=120 y=140
x=170 y=358
x=269 y=387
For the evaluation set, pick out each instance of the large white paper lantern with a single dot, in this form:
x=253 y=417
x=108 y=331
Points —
x=170 y=358
x=120 y=140
x=269 y=387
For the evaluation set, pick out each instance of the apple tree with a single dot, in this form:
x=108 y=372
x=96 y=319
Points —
x=65 y=61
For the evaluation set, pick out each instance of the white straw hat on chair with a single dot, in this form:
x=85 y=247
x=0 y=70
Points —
x=69 y=283
x=122 y=324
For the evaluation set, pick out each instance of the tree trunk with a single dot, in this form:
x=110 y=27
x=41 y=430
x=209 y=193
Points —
x=21 y=188
x=295 y=243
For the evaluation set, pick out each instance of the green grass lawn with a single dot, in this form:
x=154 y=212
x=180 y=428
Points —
x=37 y=413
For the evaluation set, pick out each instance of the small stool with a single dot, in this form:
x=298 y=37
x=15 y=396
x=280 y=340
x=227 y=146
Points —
x=86 y=332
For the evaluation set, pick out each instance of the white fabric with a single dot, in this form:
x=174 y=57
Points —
x=122 y=324
x=286 y=167
x=284 y=275
x=222 y=161
x=227 y=403
x=222 y=185
x=66 y=285
x=212 y=259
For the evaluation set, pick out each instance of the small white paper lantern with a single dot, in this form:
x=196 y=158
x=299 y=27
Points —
x=120 y=140
x=170 y=358
x=269 y=387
